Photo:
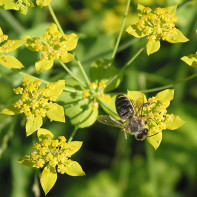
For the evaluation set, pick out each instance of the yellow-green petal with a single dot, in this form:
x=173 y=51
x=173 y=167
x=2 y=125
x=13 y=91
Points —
x=74 y=147
x=48 y=179
x=71 y=43
x=2 y=2
x=42 y=3
x=136 y=96
x=167 y=95
x=56 y=88
x=152 y=46
x=10 y=62
x=134 y=31
x=74 y=169
x=26 y=161
x=44 y=65
x=11 y=45
x=57 y=114
x=67 y=58
x=175 y=123
x=176 y=37
x=172 y=9
x=155 y=140
x=191 y=60
x=140 y=8
x=44 y=133
x=11 y=110
x=33 y=124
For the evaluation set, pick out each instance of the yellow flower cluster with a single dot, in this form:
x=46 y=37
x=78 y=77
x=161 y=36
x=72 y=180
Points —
x=33 y=101
x=54 y=46
x=95 y=92
x=52 y=153
x=158 y=24
x=155 y=114
x=3 y=37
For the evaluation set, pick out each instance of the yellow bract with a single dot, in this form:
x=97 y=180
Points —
x=157 y=25
x=155 y=114
x=36 y=103
x=54 y=46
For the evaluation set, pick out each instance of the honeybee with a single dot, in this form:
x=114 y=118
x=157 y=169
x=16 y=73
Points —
x=132 y=121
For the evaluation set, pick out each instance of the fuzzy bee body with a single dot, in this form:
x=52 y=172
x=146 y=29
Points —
x=133 y=122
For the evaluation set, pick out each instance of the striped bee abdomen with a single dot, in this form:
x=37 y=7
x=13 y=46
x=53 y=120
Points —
x=124 y=107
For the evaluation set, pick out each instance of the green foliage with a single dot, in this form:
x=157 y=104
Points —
x=76 y=54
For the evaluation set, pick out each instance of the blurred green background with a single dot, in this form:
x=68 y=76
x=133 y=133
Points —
x=114 y=167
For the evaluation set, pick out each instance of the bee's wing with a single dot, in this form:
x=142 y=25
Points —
x=109 y=120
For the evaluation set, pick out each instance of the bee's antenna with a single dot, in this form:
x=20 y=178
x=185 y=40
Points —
x=153 y=134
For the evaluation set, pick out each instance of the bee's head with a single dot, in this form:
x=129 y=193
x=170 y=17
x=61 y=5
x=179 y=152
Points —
x=142 y=135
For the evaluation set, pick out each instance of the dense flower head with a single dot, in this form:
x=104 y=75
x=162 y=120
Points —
x=36 y=103
x=33 y=101
x=154 y=113
x=54 y=45
x=95 y=93
x=156 y=25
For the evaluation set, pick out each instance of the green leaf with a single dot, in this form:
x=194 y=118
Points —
x=26 y=161
x=44 y=133
x=44 y=65
x=167 y=95
x=191 y=60
x=48 y=179
x=74 y=147
x=33 y=124
x=74 y=169
x=176 y=37
x=110 y=108
x=135 y=31
x=42 y=3
x=57 y=114
x=175 y=123
x=10 y=110
x=152 y=46
x=104 y=70
x=155 y=140
x=10 y=62
x=76 y=107
x=56 y=88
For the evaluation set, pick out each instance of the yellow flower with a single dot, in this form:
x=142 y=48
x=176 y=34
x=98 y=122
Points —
x=54 y=46
x=10 y=45
x=36 y=103
x=155 y=115
x=157 y=25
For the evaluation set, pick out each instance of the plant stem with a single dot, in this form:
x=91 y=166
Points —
x=170 y=85
x=151 y=169
x=121 y=30
x=68 y=70
x=133 y=58
x=55 y=19
x=73 y=134
x=82 y=70
x=12 y=21
x=125 y=66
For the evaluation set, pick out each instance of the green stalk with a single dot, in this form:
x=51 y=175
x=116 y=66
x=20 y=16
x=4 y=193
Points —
x=68 y=70
x=151 y=169
x=55 y=19
x=170 y=85
x=82 y=70
x=61 y=30
x=73 y=134
x=121 y=30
